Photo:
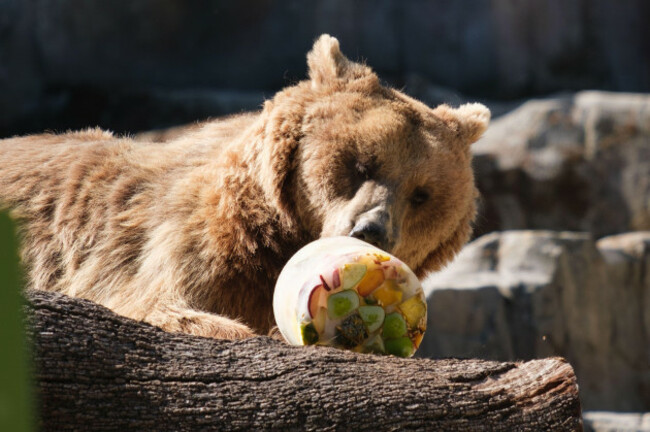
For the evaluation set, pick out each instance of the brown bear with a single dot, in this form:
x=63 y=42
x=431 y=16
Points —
x=191 y=234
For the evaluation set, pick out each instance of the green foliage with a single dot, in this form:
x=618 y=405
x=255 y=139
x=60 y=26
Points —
x=15 y=388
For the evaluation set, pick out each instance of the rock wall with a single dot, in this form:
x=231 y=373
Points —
x=577 y=162
x=533 y=294
x=68 y=63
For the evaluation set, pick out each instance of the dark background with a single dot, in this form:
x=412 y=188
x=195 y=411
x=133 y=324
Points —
x=142 y=64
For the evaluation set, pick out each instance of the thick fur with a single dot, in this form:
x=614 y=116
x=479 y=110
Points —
x=190 y=234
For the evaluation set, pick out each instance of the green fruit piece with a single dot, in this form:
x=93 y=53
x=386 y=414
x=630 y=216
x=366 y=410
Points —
x=376 y=344
x=414 y=310
x=309 y=334
x=373 y=316
x=342 y=303
x=394 y=326
x=352 y=274
x=351 y=332
x=401 y=347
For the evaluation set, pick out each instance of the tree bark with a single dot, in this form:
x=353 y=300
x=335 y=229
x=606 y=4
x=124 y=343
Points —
x=95 y=370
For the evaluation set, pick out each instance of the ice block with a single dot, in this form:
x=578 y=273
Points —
x=346 y=293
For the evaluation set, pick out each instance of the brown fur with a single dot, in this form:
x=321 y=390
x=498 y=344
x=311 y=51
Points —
x=190 y=234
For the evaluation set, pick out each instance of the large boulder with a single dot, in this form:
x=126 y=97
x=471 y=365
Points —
x=532 y=294
x=578 y=162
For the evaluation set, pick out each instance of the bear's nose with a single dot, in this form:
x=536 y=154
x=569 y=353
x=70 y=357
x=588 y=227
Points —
x=372 y=233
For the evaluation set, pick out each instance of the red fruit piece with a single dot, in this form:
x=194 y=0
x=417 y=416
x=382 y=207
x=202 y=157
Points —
x=317 y=299
x=336 y=279
x=322 y=279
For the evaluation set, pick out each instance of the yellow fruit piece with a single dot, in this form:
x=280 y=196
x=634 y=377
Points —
x=370 y=282
x=370 y=261
x=381 y=257
x=388 y=293
x=413 y=310
x=417 y=340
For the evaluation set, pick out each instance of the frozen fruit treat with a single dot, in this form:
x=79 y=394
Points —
x=345 y=293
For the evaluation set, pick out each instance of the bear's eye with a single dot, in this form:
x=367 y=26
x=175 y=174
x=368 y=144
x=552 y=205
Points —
x=419 y=197
x=361 y=169
x=364 y=170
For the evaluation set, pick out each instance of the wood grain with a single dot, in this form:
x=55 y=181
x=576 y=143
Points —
x=95 y=370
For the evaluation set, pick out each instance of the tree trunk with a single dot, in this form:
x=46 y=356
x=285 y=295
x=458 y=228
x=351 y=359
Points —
x=95 y=370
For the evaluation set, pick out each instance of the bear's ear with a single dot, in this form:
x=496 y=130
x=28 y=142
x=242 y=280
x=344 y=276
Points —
x=468 y=121
x=328 y=66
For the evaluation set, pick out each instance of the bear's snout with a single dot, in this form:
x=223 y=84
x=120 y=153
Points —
x=373 y=228
x=372 y=233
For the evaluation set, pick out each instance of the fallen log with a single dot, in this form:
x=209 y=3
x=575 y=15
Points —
x=95 y=370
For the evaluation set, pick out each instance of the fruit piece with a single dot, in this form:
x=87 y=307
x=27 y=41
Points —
x=317 y=299
x=381 y=258
x=375 y=344
x=325 y=285
x=390 y=271
x=309 y=334
x=319 y=320
x=367 y=260
x=351 y=332
x=370 y=282
x=388 y=293
x=417 y=340
x=414 y=310
x=373 y=316
x=352 y=274
x=336 y=279
x=342 y=303
x=402 y=347
x=394 y=326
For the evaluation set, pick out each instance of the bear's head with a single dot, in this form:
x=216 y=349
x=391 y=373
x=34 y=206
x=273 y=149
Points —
x=344 y=155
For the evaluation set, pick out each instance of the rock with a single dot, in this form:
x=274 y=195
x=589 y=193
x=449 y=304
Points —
x=510 y=48
x=577 y=162
x=501 y=50
x=534 y=294
x=603 y=421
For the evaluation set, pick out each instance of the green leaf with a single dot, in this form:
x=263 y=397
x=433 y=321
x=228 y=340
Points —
x=16 y=408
